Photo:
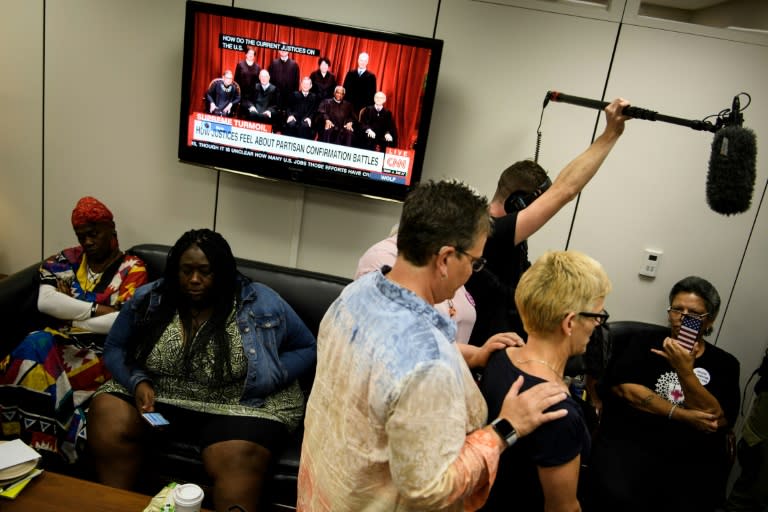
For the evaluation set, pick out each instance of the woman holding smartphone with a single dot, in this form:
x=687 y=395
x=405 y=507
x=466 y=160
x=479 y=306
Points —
x=667 y=414
x=215 y=354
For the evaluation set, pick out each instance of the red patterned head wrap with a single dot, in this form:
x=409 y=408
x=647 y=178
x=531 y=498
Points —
x=90 y=210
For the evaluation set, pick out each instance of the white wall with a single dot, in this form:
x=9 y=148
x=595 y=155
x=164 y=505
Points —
x=651 y=194
x=21 y=145
x=110 y=84
x=497 y=67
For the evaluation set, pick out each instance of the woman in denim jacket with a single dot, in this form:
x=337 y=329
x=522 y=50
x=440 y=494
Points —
x=218 y=356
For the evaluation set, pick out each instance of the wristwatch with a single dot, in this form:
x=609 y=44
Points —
x=506 y=431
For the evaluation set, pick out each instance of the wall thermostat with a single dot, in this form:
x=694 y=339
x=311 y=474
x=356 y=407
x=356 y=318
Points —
x=651 y=258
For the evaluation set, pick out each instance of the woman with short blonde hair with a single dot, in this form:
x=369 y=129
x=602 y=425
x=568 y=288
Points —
x=560 y=300
x=562 y=281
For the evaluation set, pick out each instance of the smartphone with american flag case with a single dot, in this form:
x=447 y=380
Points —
x=690 y=326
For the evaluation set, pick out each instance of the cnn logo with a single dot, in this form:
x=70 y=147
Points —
x=394 y=162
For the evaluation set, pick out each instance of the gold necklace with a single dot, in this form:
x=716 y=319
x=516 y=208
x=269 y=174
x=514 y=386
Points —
x=541 y=361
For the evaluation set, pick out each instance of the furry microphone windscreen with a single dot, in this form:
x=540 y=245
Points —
x=731 y=177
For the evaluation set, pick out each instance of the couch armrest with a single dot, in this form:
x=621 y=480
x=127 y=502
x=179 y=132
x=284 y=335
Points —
x=18 y=307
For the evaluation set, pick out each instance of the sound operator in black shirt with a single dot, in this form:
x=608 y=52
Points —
x=524 y=201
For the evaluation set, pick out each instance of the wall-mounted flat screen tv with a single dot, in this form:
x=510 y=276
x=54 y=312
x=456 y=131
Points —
x=305 y=101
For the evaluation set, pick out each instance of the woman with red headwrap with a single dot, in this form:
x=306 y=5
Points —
x=48 y=377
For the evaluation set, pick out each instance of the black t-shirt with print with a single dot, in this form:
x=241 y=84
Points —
x=717 y=370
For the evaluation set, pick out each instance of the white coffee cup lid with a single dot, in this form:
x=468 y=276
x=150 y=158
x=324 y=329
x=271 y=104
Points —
x=188 y=494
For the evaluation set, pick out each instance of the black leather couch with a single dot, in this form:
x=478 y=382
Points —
x=309 y=293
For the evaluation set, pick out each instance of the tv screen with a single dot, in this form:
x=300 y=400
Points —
x=293 y=99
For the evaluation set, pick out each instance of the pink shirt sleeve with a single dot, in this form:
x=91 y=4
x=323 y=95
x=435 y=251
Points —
x=379 y=254
x=385 y=253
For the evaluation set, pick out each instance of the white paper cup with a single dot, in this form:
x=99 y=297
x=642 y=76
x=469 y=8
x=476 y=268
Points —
x=188 y=498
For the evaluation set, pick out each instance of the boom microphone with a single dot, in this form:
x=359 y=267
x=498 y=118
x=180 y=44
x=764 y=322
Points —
x=629 y=111
x=731 y=176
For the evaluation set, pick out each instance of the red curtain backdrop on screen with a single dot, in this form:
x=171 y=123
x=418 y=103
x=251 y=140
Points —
x=400 y=70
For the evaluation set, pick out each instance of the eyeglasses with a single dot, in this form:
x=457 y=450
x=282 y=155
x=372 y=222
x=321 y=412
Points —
x=600 y=317
x=477 y=263
x=677 y=313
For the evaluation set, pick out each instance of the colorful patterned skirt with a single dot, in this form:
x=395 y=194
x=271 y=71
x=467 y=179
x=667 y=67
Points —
x=45 y=385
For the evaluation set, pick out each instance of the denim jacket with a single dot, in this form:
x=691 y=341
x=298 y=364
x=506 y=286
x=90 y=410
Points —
x=278 y=345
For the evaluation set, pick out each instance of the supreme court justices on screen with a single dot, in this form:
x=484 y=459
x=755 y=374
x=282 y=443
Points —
x=263 y=103
x=338 y=119
x=517 y=216
x=223 y=95
x=378 y=125
x=285 y=76
x=395 y=420
x=247 y=73
x=301 y=111
x=360 y=84
x=323 y=81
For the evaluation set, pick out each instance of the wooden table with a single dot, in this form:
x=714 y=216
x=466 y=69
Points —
x=52 y=492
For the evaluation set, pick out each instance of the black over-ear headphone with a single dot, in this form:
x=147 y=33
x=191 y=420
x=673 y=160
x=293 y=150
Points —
x=519 y=199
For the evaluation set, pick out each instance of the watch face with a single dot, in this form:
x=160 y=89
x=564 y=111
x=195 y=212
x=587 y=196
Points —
x=505 y=430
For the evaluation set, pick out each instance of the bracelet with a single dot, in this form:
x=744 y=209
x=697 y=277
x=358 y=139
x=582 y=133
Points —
x=93 y=309
x=671 y=410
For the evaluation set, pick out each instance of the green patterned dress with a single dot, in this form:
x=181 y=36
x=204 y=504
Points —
x=197 y=391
